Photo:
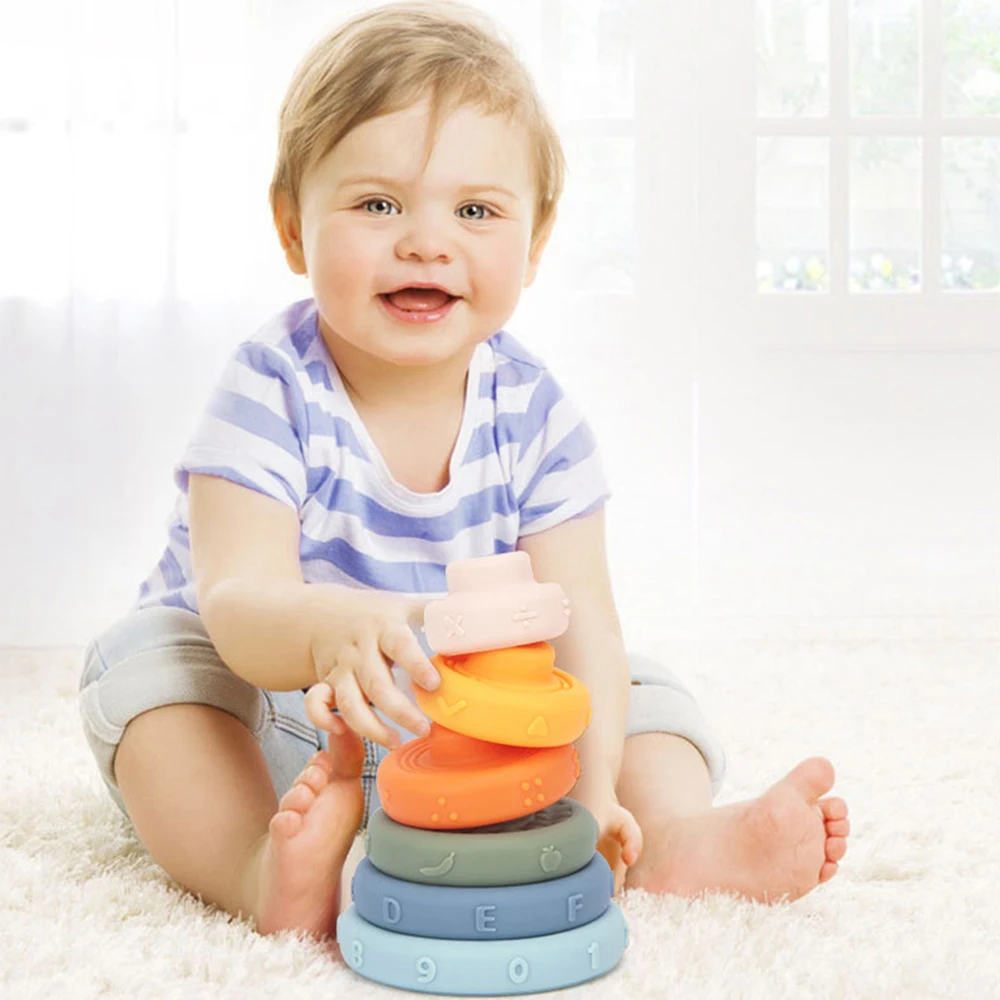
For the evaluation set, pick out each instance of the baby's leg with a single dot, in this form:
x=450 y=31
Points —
x=192 y=754
x=197 y=788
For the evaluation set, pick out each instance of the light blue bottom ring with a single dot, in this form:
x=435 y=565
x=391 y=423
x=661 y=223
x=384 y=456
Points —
x=483 y=968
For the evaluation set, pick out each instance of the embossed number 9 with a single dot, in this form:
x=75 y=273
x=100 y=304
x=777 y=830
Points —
x=426 y=968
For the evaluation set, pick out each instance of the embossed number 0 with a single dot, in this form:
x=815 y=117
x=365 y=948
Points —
x=426 y=968
x=518 y=970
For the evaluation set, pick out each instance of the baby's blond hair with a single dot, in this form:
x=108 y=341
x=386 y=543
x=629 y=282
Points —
x=388 y=59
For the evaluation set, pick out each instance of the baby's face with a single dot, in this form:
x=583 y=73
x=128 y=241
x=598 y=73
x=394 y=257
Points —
x=464 y=224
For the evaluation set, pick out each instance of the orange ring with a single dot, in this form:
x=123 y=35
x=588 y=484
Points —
x=446 y=781
x=513 y=696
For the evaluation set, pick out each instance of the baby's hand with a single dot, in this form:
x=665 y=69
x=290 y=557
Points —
x=352 y=650
x=619 y=837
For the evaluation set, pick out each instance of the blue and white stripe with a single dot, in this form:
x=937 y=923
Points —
x=280 y=422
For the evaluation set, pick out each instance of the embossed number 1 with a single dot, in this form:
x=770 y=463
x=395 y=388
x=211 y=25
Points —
x=594 y=951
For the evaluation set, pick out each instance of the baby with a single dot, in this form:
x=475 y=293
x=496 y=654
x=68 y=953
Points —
x=356 y=444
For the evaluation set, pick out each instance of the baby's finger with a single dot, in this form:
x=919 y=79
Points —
x=619 y=877
x=356 y=712
x=632 y=843
x=376 y=681
x=403 y=648
x=319 y=703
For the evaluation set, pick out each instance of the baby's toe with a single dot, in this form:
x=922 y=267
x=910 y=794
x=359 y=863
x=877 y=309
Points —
x=834 y=807
x=315 y=776
x=298 y=798
x=836 y=848
x=838 y=827
x=828 y=870
x=347 y=755
x=286 y=823
x=322 y=758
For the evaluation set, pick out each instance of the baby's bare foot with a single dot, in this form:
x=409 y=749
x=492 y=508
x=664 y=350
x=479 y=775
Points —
x=780 y=845
x=294 y=874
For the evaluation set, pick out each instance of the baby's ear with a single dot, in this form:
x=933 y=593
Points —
x=286 y=221
x=535 y=250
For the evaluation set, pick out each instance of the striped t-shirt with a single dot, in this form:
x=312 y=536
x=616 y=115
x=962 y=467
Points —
x=280 y=422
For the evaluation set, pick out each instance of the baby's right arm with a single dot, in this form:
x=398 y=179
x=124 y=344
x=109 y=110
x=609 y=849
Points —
x=279 y=633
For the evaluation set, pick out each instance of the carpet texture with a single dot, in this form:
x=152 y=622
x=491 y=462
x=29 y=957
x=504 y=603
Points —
x=911 y=728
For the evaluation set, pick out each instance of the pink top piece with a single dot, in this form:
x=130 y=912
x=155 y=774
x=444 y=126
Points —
x=494 y=602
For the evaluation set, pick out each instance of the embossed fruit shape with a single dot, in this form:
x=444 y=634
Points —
x=550 y=859
x=433 y=871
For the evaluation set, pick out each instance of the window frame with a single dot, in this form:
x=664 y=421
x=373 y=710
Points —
x=930 y=318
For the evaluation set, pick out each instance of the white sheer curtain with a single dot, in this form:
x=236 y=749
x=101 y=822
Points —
x=136 y=146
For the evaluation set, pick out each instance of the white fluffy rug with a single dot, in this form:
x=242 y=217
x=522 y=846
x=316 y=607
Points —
x=911 y=727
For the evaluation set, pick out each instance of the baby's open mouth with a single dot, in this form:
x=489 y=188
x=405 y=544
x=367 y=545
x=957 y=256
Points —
x=419 y=299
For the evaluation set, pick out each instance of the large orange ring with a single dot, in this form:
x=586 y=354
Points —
x=446 y=781
x=513 y=696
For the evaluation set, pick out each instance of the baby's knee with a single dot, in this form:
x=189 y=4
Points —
x=154 y=659
x=175 y=732
x=660 y=703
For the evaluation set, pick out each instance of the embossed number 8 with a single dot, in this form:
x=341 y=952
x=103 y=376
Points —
x=427 y=969
x=357 y=954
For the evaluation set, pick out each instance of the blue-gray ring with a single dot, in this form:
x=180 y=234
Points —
x=485 y=913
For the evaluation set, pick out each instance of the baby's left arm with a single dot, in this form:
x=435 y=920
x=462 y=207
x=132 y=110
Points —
x=572 y=554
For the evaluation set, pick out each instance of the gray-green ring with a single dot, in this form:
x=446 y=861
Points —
x=552 y=842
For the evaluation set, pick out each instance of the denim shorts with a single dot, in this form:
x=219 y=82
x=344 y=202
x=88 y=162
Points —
x=163 y=656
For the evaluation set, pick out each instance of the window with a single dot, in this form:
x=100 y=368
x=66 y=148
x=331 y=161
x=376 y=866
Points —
x=886 y=94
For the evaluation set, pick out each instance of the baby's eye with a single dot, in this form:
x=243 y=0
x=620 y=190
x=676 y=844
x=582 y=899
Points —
x=377 y=201
x=476 y=218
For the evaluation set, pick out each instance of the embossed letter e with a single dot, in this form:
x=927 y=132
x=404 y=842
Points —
x=482 y=917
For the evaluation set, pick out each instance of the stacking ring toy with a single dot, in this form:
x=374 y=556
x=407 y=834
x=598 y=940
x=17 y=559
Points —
x=513 y=696
x=555 y=841
x=483 y=913
x=446 y=781
x=493 y=602
x=477 y=968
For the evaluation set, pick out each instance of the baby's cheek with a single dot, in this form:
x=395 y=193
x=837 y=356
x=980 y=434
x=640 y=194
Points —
x=336 y=245
x=499 y=286
x=496 y=263
x=342 y=271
